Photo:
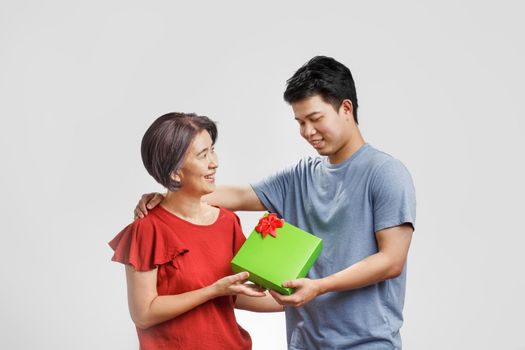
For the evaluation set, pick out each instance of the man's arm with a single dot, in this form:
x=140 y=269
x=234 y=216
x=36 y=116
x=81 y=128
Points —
x=387 y=263
x=233 y=198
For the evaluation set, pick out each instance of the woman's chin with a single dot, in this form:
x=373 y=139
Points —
x=209 y=189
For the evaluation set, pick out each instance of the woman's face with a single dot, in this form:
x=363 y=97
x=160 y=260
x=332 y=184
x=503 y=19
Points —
x=197 y=174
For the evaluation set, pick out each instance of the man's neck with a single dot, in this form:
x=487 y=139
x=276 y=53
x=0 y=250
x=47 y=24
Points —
x=355 y=142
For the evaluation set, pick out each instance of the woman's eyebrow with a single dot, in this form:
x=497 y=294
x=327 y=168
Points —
x=202 y=151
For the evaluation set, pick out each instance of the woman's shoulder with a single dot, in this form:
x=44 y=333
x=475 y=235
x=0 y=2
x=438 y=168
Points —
x=148 y=228
x=146 y=225
x=146 y=243
x=226 y=215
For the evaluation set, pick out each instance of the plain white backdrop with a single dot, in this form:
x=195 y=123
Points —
x=440 y=86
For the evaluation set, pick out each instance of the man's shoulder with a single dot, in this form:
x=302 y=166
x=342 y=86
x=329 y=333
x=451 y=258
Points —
x=309 y=161
x=386 y=171
x=376 y=156
x=303 y=165
x=377 y=159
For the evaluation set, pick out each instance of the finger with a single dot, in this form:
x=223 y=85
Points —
x=284 y=299
x=155 y=200
x=240 y=277
x=137 y=213
x=292 y=284
x=141 y=207
x=256 y=288
x=276 y=296
x=246 y=290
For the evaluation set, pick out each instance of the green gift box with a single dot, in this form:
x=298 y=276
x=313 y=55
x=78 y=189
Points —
x=273 y=254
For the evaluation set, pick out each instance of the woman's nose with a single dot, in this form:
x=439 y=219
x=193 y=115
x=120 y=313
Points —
x=214 y=162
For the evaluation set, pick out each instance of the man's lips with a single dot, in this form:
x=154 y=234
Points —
x=317 y=143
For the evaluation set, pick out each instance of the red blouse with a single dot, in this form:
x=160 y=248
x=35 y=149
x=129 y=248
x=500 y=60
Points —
x=188 y=257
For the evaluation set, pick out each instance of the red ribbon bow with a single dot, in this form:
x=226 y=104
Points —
x=268 y=225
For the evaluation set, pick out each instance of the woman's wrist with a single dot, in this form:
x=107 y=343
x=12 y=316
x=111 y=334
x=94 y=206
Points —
x=211 y=292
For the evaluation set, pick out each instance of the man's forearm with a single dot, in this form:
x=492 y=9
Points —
x=373 y=269
x=388 y=262
x=235 y=198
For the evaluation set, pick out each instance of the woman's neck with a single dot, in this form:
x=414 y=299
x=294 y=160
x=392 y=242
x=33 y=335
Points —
x=188 y=207
x=185 y=204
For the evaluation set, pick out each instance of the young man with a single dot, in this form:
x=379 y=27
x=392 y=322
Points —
x=359 y=200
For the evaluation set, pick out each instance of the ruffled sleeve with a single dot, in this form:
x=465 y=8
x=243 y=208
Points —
x=142 y=245
x=238 y=235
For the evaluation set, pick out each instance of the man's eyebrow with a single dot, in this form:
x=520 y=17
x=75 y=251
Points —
x=309 y=115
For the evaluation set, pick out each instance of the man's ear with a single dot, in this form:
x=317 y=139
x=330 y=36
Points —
x=347 y=108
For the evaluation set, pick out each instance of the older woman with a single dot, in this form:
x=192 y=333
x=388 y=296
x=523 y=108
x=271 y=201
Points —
x=181 y=293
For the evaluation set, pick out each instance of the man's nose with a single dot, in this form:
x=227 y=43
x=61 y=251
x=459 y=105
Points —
x=309 y=130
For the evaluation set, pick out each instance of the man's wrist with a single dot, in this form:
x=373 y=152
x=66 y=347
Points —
x=322 y=286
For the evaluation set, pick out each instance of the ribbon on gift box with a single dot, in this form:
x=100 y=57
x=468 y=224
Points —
x=269 y=224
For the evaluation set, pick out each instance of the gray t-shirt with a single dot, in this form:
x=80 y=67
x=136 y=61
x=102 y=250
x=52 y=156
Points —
x=345 y=204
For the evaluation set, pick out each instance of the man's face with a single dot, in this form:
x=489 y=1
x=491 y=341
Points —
x=327 y=130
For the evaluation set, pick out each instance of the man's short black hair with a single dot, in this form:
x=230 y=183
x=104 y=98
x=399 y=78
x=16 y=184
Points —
x=325 y=77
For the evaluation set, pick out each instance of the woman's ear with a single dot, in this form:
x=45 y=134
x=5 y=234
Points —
x=175 y=176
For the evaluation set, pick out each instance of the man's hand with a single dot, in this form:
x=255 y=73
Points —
x=305 y=290
x=147 y=201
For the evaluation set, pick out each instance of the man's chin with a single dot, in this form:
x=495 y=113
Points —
x=322 y=151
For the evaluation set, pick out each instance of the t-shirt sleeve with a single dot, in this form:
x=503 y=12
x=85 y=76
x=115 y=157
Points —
x=142 y=246
x=272 y=189
x=393 y=196
x=238 y=236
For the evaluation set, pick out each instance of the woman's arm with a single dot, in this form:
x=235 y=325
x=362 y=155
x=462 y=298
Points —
x=258 y=304
x=147 y=308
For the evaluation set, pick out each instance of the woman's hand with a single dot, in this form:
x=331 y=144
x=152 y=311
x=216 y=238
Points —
x=147 y=201
x=234 y=284
x=147 y=308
